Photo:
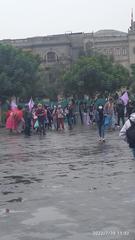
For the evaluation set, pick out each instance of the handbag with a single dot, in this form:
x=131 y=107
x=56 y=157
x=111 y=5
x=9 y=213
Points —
x=36 y=125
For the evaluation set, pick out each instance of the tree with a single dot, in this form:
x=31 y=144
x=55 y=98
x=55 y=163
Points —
x=132 y=80
x=94 y=73
x=50 y=84
x=18 y=72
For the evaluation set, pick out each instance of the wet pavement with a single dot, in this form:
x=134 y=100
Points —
x=66 y=186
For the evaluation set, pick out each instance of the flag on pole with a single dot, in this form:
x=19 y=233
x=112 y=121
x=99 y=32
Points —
x=31 y=104
x=13 y=104
x=125 y=98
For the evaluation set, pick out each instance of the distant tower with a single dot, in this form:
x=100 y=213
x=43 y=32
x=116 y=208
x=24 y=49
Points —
x=132 y=27
x=132 y=17
x=131 y=40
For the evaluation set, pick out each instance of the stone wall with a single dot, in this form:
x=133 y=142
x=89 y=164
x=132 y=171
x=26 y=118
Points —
x=66 y=48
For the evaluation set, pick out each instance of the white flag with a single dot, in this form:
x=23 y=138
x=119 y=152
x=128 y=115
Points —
x=13 y=104
x=31 y=104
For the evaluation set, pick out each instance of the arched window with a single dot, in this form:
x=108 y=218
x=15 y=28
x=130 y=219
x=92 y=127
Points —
x=89 y=45
x=51 y=57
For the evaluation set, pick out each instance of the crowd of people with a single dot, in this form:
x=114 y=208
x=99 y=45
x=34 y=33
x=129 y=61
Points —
x=40 y=118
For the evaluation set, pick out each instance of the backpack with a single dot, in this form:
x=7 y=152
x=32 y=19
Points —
x=100 y=114
x=130 y=133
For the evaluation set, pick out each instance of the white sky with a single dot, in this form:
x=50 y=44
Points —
x=28 y=18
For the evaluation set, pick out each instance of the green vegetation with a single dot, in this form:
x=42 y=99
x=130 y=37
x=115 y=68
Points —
x=95 y=74
x=22 y=75
x=50 y=81
x=132 y=80
x=18 y=72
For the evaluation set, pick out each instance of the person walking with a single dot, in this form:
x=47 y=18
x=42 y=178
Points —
x=41 y=114
x=55 y=118
x=128 y=132
x=27 y=119
x=81 y=110
x=69 y=115
x=100 y=118
x=130 y=108
x=109 y=111
x=120 y=110
x=60 y=113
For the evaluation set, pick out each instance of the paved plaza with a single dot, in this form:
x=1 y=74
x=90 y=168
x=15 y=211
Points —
x=66 y=186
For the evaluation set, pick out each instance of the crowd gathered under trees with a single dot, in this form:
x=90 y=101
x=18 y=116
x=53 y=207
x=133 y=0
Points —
x=22 y=75
x=39 y=118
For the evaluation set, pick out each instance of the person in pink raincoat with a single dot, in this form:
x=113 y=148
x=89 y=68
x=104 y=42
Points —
x=14 y=117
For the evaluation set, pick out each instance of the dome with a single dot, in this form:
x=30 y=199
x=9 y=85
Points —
x=109 y=33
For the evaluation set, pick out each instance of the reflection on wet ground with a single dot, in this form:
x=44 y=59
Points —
x=66 y=186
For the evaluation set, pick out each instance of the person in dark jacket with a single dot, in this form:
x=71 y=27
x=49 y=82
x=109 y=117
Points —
x=100 y=119
x=81 y=110
x=120 y=109
x=69 y=115
x=130 y=108
x=27 y=119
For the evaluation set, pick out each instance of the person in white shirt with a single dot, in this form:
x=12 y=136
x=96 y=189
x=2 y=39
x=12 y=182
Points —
x=128 y=132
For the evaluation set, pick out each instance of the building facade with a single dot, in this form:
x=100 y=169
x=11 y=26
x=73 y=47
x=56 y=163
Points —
x=66 y=48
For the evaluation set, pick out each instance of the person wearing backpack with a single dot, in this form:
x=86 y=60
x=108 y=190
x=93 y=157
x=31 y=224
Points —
x=128 y=132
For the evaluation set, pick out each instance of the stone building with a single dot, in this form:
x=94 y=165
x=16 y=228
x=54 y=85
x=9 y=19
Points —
x=66 y=48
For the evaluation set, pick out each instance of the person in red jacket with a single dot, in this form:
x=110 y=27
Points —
x=18 y=118
x=41 y=115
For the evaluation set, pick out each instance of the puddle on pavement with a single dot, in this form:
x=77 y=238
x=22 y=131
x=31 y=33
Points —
x=45 y=214
x=7 y=212
x=72 y=167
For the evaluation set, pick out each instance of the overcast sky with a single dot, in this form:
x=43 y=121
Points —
x=28 y=18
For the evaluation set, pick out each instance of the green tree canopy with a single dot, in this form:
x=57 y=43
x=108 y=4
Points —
x=93 y=74
x=132 y=80
x=50 y=83
x=18 y=72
